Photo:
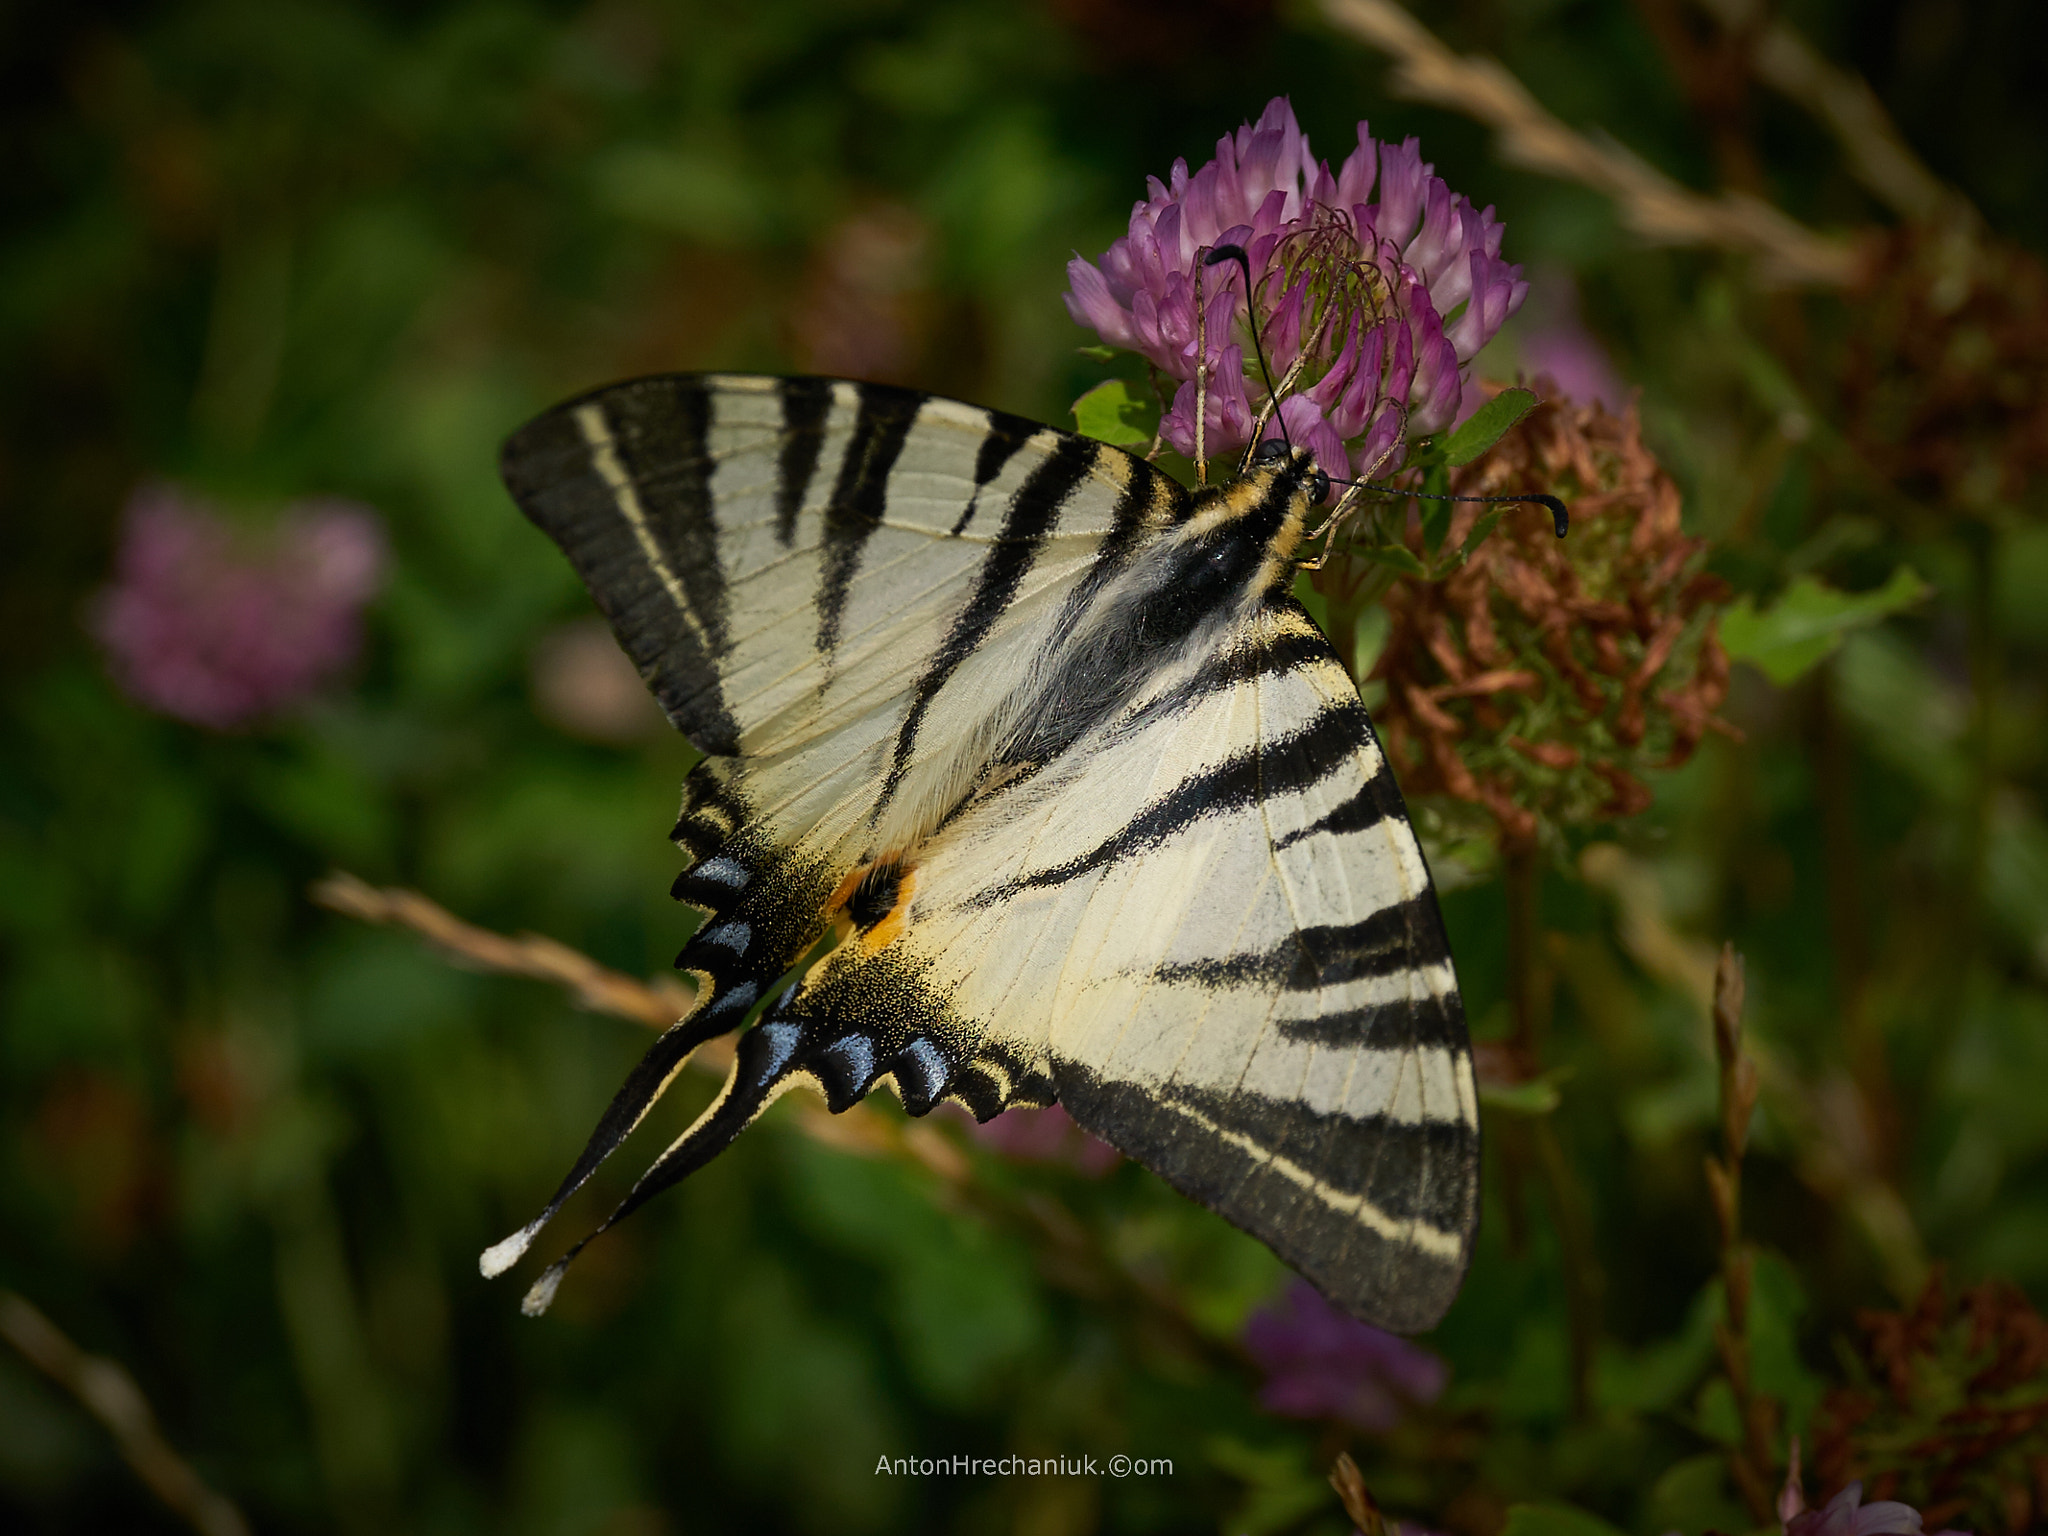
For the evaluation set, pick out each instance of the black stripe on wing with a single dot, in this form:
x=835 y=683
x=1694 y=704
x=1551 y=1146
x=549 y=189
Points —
x=860 y=497
x=554 y=468
x=1006 y=434
x=1265 y=654
x=1398 y=938
x=661 y=434
x=1322 y=747
x=1216 y=1148
x=806 y=403
x=1033 y=513
x=1423 y=1171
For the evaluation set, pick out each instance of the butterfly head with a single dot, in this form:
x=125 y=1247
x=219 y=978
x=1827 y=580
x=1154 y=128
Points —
x=1278 y=454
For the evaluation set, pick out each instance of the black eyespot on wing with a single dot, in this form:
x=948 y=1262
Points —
x=875 y=897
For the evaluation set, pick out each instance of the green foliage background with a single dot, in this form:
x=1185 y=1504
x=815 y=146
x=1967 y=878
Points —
x=270 y=250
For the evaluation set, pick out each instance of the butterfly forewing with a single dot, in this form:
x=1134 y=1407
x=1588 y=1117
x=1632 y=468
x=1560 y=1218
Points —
x=1184 y=900
x=784 y=556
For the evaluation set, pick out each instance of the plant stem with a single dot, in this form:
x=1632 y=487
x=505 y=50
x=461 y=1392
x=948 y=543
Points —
x=1751 y=1461
x=1834 y=795
x=1528 y=1008
x=110 y=1395
x=1523 y=879
x=1982 y=541
x=1583 y=1278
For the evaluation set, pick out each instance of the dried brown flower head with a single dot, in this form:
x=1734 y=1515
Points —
x=1945 y=388
x=1540 y=679
x=1950 y=1412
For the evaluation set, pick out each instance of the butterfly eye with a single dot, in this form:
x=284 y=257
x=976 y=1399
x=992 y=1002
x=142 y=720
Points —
x=1317 y=488
x=1271 y=450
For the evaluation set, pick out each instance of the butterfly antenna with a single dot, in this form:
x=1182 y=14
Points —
x=1560 y=514
x=1236 y=253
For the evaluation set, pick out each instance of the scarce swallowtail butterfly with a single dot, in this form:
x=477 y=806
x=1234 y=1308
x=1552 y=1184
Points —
x=1047 y=738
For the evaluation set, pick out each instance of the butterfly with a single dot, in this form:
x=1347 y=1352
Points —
x=1095 y=813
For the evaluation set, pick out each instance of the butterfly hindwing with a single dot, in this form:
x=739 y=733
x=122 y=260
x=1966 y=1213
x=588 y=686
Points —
x=1210 y=933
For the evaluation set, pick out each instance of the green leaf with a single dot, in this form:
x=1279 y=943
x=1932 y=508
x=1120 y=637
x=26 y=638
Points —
x=1693 y=1496
x=1116 y=412
x=1487 y=425
x=1397 y=557
x=1436 y=524
x=1099 y=354
x=1281 y=1488
x=1555 y=1520
x=1802 y=628
x=1478 y=536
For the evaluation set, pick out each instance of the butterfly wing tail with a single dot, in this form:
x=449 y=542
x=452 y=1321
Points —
x=764 y=1065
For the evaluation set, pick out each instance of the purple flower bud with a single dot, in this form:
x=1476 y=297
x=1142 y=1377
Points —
x=1320 y=1363
x=217 y=628
x=1554 y=341
x=1390 y=300
x=1841 y=1516
x=1047 y=1135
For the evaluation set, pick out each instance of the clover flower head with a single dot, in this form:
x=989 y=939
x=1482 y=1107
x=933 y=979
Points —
x=1321 y=1363
x=1537 y=681
x=1370 y=306
x=215 y=627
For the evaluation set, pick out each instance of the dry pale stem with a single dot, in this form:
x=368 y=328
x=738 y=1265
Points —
x=1067 y=1251
x=110 y=1395
x=1649 y=202
x=1827 y=1162
x=1356 y=1497
x=657 y=1003
x=1849 y=109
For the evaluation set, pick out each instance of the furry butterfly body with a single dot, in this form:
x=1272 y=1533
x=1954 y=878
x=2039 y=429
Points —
x=1045 y=738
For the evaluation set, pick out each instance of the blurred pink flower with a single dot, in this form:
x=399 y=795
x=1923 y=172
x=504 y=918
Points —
x=1847 y=1515
x=217 y=627
x=1046 y=1135
x=1321 y=1363
x=584 y=684
x=1554 y=340
x=1390 y=299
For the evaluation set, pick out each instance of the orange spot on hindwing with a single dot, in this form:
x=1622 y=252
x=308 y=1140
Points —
x=875 y=899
